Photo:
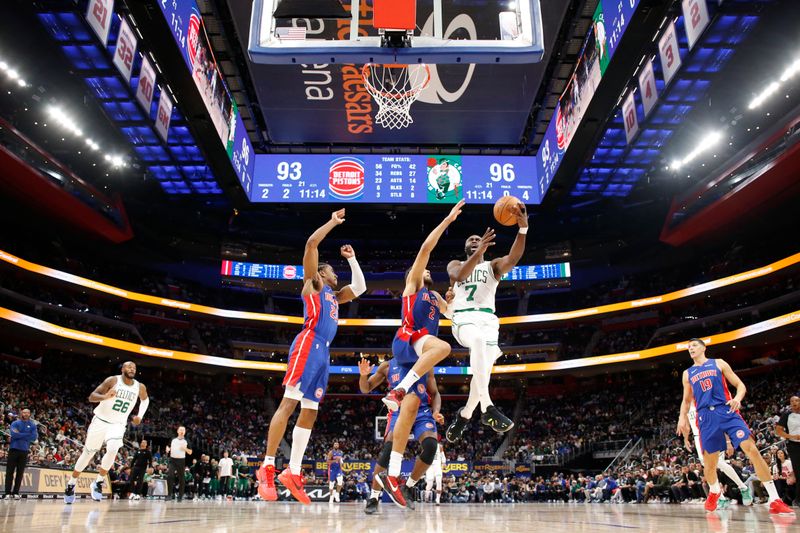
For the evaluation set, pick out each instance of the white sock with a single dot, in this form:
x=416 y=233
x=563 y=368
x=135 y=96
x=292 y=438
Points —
x=99 y=478
x=726 y=468
x=395 y=463
x=406 y=383
x=375 y=494
x=771 y=490
x=715 y=488
x=300 y=438
x=410 y=482
x=438 y=497
x=269 y=460
x=72 y=481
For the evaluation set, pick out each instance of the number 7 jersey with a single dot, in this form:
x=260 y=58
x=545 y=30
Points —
x=117 y=409
x=477 y=291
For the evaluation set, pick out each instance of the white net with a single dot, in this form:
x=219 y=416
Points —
x=395 y=88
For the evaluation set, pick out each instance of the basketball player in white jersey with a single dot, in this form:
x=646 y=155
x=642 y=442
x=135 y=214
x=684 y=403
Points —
x=435 y=473
x=475 y=325
x=116 y=397
x=723 y=464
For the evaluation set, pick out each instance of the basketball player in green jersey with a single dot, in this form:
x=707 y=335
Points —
x=475 y=326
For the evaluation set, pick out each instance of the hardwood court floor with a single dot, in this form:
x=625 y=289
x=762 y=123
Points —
x=223 y=517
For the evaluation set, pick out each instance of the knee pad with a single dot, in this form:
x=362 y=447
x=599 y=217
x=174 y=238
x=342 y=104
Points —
x=386 y=454
x=429 y=448
x=112 y=447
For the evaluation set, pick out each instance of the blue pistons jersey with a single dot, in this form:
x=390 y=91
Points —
x=714 y=417
x=335 y=465
x=424 y=421
x=420 y=317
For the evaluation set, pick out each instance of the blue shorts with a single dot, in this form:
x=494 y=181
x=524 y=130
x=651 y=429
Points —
x=309 y=365
x=423 y=423
x=334 y=471
x=713 y=423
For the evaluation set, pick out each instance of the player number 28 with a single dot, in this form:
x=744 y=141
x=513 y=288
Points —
x=121 y=406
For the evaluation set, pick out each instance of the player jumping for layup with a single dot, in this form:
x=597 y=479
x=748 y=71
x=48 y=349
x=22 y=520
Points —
x=309 y=361
x=115 y=397
x=475 y=325
x=424 y=426
x=706 y=384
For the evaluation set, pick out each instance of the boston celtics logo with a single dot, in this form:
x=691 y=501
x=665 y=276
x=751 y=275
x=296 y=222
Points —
x=444 y=179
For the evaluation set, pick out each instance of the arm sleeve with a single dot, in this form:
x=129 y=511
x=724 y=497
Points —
x=143 y=404
x=358 y=284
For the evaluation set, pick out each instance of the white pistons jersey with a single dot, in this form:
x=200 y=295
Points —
x=477 y=291
x=117 y=409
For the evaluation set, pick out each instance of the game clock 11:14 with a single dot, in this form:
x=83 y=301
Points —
x=395 y=179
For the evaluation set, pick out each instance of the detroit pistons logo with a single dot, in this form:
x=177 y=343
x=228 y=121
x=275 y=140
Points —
x=429 y=425
x=561 y=129
x=421 y=388
x=346 y=178
x=289 y=272
x=192 y=36
x=740 y=434
x=318 y=393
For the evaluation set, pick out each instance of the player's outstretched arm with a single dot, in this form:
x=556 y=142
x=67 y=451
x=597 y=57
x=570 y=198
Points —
x=368 y=381
x=104 y=391
x=414 y=280
x=358 y=284
x=736 y=402
x=311 y=253
x=503 y=265
x=683 y=420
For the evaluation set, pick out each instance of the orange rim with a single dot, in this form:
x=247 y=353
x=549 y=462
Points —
x=365 y=74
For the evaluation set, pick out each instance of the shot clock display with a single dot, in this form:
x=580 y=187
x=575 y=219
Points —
x=423 y=179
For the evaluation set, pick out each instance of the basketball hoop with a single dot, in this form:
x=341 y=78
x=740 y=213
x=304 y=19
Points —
x=395 y=87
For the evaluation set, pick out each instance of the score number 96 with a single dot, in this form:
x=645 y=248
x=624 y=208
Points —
x=505 y=172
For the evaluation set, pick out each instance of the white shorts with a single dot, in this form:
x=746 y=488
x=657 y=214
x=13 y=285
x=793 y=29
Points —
x=698 y=447
x=100 y=432
x=487 y=323
x=293 y=392
x=419 y=344
x=339 y=480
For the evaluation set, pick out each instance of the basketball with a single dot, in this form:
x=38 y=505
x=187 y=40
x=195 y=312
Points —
x=504 y=210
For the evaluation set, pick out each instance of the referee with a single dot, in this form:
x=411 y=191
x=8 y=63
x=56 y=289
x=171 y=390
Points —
x=788 y=427
x=177 y=451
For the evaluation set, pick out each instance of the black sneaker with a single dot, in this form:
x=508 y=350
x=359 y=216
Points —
x=456 y=428
x=408 y=494
x=69 y=494
x=372 y=506
x=496 y=420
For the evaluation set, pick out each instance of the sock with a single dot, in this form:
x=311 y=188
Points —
x=715 y=488
x=100 y=479
x=300 y=438
x=72 y=481
x=408 y=381
x=771 y=490
x=375 y=494
x=726 y=468
x=269 y=460
x=395 y=463
x=438 y=497
x=410 y=482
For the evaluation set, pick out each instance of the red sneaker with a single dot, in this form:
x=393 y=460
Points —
x=778 y=507
x=295 y=485
x=711 y=501
x=266 y=483
x=394 y=399
x=393 y=488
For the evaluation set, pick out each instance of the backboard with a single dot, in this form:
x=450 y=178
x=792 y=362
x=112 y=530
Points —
x=484 y=31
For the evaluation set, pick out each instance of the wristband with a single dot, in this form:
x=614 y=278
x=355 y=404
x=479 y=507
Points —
x=523 y=231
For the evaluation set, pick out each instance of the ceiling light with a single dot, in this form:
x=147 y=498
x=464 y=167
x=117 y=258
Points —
x=791 y=70
x=758 y=100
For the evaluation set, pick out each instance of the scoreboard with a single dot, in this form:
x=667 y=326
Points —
x=413 y=179
x=241 y=269
x=532 y=272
